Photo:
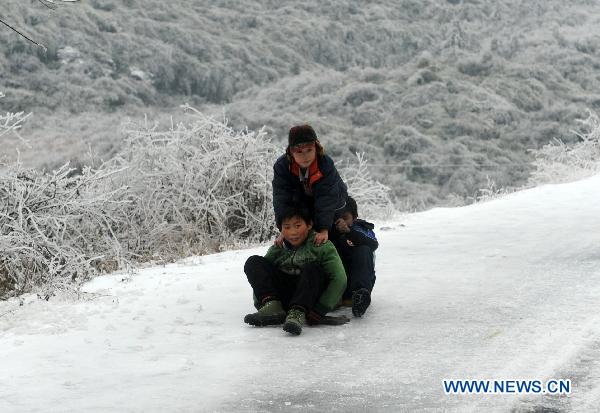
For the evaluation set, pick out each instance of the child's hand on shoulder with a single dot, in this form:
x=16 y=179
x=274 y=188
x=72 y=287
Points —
x=321 y=237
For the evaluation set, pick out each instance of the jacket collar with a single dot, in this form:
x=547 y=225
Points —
x=314 y=173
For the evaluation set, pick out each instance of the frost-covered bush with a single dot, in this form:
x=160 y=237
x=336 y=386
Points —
x=358 y=94
x=373 y=198
x=475 y=68
x=168 y=194
x=560 y=162
x=201 y=186
x=492 y=191
x=403 y=141
x=11 y=121
x=55 y=229
x=194 y=187
x=422 y=77
x=366 y=115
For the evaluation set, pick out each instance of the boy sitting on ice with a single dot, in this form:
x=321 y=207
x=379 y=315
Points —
x=305 y=280
x=356 y=243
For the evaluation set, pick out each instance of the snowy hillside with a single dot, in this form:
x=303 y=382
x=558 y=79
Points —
x=440 y=95
x=508 y=289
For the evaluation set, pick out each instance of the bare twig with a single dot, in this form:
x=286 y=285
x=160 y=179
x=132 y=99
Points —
x=23 y=35
x=50 y=4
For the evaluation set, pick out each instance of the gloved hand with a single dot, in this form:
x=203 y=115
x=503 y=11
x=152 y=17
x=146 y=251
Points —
x=313 y=318
x=334 y=320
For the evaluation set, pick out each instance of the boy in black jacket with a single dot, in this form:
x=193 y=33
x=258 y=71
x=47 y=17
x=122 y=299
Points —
x=356 y=243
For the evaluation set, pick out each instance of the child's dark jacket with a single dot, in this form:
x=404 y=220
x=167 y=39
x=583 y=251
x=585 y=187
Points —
x=291 y=261
x=328 y=190
x=361 y=233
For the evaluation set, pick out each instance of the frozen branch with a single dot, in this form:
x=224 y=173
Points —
x=51 y=4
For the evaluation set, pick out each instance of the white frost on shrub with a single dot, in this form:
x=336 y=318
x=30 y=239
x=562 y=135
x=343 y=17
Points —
x=55 y=229
x=193 y=188
x=138 y=74
x=12 y=122
x=372 y=198
x=68 y=54
x=559 y=162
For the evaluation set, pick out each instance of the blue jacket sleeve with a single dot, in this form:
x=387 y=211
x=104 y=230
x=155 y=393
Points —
x=360 y=235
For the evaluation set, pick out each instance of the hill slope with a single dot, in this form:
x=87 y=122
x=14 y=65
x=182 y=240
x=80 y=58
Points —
x=502 y=290
x=423 y=86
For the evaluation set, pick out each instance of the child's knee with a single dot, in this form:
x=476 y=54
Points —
x=252 y=262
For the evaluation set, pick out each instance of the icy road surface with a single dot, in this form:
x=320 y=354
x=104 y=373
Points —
x=508 y=289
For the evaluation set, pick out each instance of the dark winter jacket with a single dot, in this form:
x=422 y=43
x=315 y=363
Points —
x=361 y=233
x=291 y=261
x=325 y=193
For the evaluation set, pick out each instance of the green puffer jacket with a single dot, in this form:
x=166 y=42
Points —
x=291 y=261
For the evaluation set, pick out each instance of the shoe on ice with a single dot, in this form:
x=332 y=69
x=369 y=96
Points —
x=361 y=299
x=294 y=321
x=271 y=313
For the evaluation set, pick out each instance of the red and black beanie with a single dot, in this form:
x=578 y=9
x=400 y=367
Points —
x=301 y=134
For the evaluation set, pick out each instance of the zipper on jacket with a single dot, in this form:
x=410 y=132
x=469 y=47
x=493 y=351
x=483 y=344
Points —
x=293 y=255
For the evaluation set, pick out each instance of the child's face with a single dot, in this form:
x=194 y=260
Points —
x=304 y=155
x=295 y=230
x=348 y=218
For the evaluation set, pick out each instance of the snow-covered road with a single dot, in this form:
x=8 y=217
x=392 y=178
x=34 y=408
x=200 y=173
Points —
x=508 y=289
